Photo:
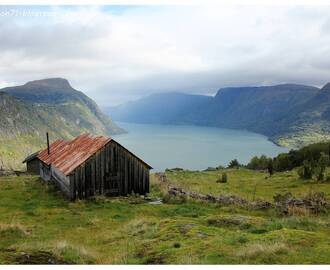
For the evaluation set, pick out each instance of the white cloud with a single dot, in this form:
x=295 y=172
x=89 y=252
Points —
x=117 y=56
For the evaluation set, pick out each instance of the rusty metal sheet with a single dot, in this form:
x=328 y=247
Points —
x=68 y=155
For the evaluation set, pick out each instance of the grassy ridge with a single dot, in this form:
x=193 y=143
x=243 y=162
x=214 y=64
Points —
x=37 y=224
x=23 y=129
x=248 y=184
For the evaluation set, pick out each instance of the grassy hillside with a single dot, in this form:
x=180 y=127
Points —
x=29 y=111
x=37 y=225
x=248 y=184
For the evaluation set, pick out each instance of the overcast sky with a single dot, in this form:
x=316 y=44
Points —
x=116 y=53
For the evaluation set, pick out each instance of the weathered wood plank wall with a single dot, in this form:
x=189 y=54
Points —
x=111 y=171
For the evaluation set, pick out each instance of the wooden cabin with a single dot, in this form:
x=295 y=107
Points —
x=93 y=165
x=32 y=163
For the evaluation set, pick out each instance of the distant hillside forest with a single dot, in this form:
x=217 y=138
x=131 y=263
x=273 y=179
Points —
x=311 y=161
x=290 y=115
x=30 y=110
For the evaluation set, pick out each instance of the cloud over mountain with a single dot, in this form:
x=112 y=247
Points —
x=115 y=54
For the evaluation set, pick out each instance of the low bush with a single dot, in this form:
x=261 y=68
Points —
x=223 y=178
x=234 y=164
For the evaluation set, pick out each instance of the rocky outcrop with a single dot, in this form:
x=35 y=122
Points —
x=314 y=202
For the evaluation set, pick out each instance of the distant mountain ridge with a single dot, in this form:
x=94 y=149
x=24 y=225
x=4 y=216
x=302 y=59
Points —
x=50 y=105
x=289 y=114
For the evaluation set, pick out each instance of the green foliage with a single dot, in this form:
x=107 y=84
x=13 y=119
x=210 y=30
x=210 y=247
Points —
x=314 y=153
x=259 y=163
x=312 y=168
x=234 y=164
x=270 y=167
x=223 y=179
x=321 y=166
x=282 y=162
x=37 y=225
x=306 y=171
x=243 y=183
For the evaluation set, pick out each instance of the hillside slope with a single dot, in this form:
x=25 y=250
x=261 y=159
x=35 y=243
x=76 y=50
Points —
x=39 y=226
x=278 y=112
x=52 y=105
x=309 y=122
x=162 y=108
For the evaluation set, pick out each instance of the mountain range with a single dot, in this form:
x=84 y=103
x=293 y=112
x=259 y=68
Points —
x=290 y=115
x=51 y=105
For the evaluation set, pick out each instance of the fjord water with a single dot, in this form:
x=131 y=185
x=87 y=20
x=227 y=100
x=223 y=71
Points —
x=193 y=147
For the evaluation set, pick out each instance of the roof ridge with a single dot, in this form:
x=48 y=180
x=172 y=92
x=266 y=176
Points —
x=68 y=155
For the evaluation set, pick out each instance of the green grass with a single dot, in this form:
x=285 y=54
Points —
x=246 y=183
x=36 y=220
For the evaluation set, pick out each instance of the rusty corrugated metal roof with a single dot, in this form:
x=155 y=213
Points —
x=68 y=155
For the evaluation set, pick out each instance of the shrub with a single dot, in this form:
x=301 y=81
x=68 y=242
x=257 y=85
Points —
x=259 y=163
x=242 y=239
x=306 y=171
x=327 y=178
x=234 y=164
x=321 y=166
x=314 y=167
x=283 y=163
x=223 y=178
x=270 y=167
x=296 y=158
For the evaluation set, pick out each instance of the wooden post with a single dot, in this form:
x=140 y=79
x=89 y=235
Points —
x=329 y=154
x=47 y=143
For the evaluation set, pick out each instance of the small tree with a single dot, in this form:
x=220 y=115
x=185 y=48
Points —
x=321 y=166
x=270 y=167
x=233 y=164
x=306 y=170
x=223 y=178
x=254 y=163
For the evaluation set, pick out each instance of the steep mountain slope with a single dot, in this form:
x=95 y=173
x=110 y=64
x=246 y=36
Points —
x=162 y=108
x=276 y=111
x=309 y=122
x=256 y=108
x=29 y=111
x=75 y=105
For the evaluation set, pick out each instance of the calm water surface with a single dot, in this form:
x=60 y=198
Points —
x=193 y=147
